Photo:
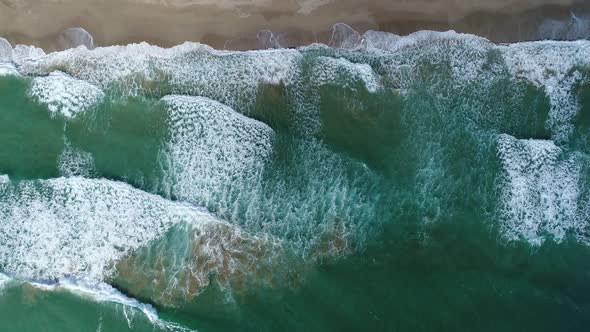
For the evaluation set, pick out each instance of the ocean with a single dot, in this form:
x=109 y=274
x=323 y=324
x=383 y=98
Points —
x=430 y=182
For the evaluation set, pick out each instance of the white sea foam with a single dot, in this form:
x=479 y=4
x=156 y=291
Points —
x=4 y=282
x=24 y=53
x=217 y=158
x=392 y=43
x=105 y=65
x=7 y=69
x=234 y=77
x=62 y=227
x=4 y=179
x=343 y=72
x=5 y=50
x=547 y=64
x=541 y=191
x=101 y=292
x=76 y=233
x=64 y=94
x=75 y=162
x=195 y=69
x=213 y=148
x=553 y=66
x=465 y=54
x=381 y=41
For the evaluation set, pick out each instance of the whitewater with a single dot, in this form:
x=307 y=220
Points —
x=151 y=179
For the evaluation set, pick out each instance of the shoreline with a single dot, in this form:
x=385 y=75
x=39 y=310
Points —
x=237 y=24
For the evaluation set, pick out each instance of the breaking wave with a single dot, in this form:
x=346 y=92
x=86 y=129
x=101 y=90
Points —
x=261 y=163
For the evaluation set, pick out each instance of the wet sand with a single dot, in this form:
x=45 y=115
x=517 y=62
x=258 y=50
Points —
x=234 y=24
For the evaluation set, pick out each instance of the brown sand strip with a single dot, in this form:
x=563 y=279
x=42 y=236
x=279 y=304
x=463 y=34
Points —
x=234 y=24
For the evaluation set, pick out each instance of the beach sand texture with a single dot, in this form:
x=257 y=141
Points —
x=234 y=24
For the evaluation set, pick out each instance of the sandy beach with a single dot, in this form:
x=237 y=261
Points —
x=234 y=24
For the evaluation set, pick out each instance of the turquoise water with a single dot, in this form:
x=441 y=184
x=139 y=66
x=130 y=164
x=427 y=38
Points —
x=434 y=182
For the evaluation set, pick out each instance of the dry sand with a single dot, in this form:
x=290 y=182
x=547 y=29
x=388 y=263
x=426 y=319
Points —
x=234 y=24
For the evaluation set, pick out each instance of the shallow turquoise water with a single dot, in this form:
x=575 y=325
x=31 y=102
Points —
x=436 y=182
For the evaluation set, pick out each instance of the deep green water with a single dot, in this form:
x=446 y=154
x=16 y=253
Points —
x=436 y=182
